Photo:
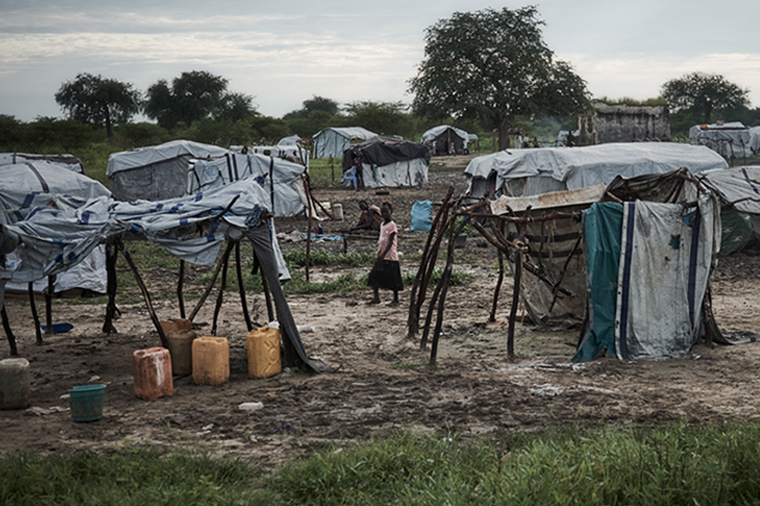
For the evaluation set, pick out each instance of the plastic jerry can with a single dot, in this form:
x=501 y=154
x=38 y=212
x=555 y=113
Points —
x=263 y=352
x=337 y=210
x=176 y=324
x=211 y=360
x=152 y=373
x=15 y=383
x=180 y=344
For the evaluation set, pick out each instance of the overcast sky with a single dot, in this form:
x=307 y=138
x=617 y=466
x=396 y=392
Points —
x=284 y=52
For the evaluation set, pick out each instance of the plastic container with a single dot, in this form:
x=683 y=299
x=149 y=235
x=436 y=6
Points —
x=86 y=402
x=176 y=324
x=337 y=210
x=152 y=369
x=263 y=352
x=180 y=343
x=211 y=360
x=15 y=384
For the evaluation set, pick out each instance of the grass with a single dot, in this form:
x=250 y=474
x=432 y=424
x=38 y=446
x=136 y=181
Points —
x=675 y=464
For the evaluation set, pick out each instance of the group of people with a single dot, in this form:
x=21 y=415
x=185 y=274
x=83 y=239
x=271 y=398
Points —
x=386 y=272
x=523 y=141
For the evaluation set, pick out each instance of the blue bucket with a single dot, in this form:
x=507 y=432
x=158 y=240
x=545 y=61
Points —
x=87 y=402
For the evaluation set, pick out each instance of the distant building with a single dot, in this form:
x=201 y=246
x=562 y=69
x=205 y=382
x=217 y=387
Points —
x=624 y=123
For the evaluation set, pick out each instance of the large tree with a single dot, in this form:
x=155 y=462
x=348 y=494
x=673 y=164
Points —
x=98 y=101
x=494 y=65
x=192 y=96
x=385 y=118
x=704 y=93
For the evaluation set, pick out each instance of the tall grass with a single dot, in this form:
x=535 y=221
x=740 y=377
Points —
x=672 y=465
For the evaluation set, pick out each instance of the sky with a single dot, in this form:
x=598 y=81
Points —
x=284 y=52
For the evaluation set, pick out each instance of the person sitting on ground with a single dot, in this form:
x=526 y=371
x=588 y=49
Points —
x=386 y=272
x=370 y=219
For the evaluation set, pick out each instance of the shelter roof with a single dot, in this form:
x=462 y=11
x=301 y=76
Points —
x=142 y=157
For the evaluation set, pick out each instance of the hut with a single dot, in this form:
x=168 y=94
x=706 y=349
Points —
x=334 y=141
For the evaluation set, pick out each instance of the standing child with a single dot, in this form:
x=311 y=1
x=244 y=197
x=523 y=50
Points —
x=386 y=273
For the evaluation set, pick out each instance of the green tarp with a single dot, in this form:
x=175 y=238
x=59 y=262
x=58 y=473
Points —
x=602 y=226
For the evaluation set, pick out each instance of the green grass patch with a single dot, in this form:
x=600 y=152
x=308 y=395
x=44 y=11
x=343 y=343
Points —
x=458 y=278
x=675 y=464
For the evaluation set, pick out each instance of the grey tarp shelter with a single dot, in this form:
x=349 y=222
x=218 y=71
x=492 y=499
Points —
x=40 y=183
x=739 y=192
x=156 y=172
x=388 y=162
x=334 y=141
x=69 y=162
x=446 y=140
x=192 y=228
x=525 y=172
x=731 y=140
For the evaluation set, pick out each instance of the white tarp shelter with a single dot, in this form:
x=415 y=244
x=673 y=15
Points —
x=739 y=192
x=30 y=187
x=524 y=172
x=280 y=178
x=731 y=140
x=754 y=139
x=68 y=162
x=446 y=140
x=334 y=141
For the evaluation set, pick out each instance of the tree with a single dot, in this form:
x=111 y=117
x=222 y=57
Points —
x=235 y=107
x=98 y=101
x=704 y=93
x=385 y=118
x=192 y=96
x=313 y=105
x=494 y=65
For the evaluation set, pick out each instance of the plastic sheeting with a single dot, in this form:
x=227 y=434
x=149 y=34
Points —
x=730 y=140
x=754 y=139
x=279 y=177
x=422 y=216
x=334 y=141
x=156 y=172
x=27 y=188
x=436 y=132
x=540 y=170
x=664 y=254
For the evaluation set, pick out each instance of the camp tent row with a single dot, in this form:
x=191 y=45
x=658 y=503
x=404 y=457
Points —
x=388 y=162
x=181 y=167
x=49 y=241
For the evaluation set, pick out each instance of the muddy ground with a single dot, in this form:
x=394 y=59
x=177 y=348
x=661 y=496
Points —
x=383 y=384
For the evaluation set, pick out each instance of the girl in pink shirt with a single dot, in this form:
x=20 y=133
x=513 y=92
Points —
x=386 y=273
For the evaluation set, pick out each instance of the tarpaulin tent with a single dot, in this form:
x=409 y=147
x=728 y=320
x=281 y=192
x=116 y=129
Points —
x=156 y=172
x=739 y=192
x=648 y=270
x=731 y=140
x=446 y=140
x=290 y=152
x=42 y=184
x=527 y=172
x=279 y=177
x=191 y=228
x=390 y=162
x=334 y=141
x=68 y=162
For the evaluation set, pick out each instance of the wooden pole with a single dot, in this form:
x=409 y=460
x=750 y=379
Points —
x=180 y=283
x=111 y=255
x=308 y=232
x=241 y=288
x=414 y=303
x=220 y=296
x=210 y=286
x=49 y=306
x=145 y=293
x=267 y=295
x=492 y=317
x=8 y=331
x=35 y=316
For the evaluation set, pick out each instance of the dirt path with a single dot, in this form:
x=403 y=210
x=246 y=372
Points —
x=383 y=384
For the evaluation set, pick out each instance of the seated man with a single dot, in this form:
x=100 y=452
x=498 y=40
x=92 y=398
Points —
x=370 y=219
